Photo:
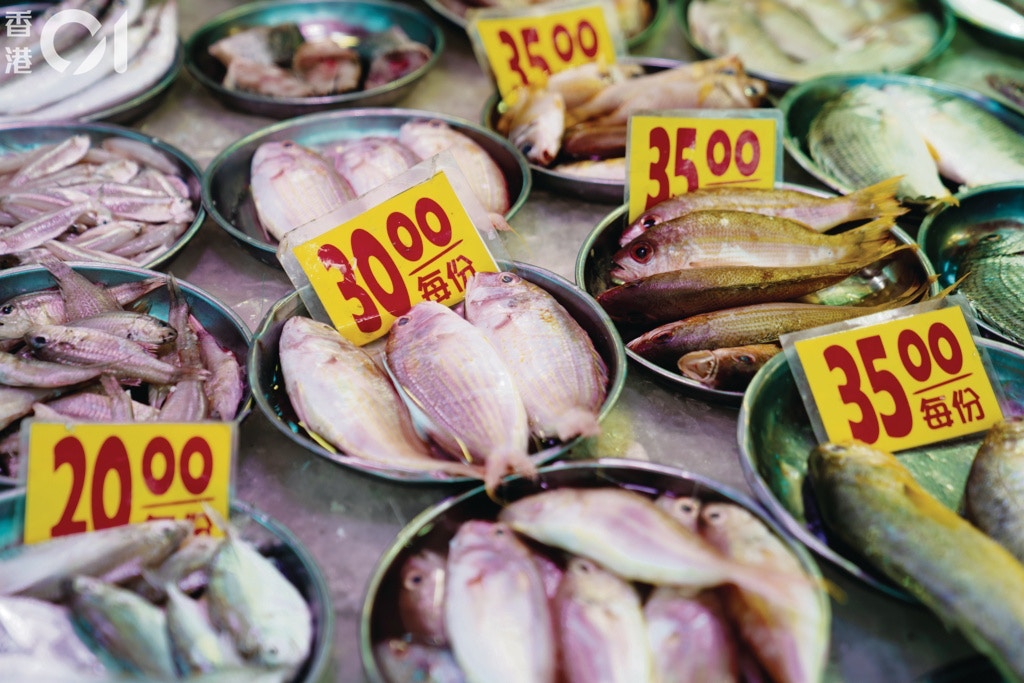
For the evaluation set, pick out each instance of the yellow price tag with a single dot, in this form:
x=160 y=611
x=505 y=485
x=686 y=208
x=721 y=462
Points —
x=672 y=154
x=85 y=477
x=418 y=245
x=900 y=384
x=525 y=50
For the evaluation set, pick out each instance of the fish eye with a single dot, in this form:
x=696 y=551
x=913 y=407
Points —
x=402 y=321
x=687 y=506
x=648 y=221
x=499 y=531
x=746 y=359
x=39 y=340
x=507 y=278
x=642 y=252
x=713 y=516
x=7 y=310
x=526 y=149
x=662 y=338
x=414 y=580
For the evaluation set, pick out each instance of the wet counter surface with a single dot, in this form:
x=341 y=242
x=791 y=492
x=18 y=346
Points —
x=347 y=519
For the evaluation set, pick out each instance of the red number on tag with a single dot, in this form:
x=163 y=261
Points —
x=162 y=447
x=866 y=428
x=69 y=451
x=196 y=446
x=686 y=138
x=900 y=422
x=530 y=37
x=513 y=62
x=719 y=140
x=112 y=458
x=368 y=319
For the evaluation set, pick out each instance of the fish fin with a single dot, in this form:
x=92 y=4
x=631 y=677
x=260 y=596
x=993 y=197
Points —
x=878 y=231
x=936 y=204
x=506 y=462
x=577 y=421
x=218 y=520
x=878 y=200
x=932 y=152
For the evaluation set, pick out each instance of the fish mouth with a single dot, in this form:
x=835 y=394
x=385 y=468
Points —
x=619 y=275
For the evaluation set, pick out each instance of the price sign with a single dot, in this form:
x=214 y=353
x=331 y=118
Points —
x=673 y=153
x=526 y=49
x=418 y=245
x=899 y=384
x=85 y=477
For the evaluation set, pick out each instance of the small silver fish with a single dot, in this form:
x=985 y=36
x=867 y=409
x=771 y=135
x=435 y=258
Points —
x=421 y=600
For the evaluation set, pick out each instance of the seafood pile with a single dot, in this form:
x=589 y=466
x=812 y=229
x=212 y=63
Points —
x=69 y=353
x=121 y=201
x=967 y=572
x=712 y=278
x=516 y=366
x=316 y=59
x=35 y=87
x=588 y=584
x=293 y=185
x=149 y=601
x=577 y=122
x=870 y=133
x=795 y=40
x=993 y=278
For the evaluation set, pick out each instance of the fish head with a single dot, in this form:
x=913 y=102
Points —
x=636 y=259
x=483 y=534
x=1007 y=434
x=684 y=509
x=425 y=319
x=494 y=295
x=271 y=159
x=656 y=344
x=723 y=91
x=42 y=337
x=421 y=599
x=699 y=365
x=644 y=222
x=15 y=321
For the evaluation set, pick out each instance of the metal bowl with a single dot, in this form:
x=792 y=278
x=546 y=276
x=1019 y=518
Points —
x=936 y=8
x=273 y=540
x=20 y=137
x=455 y=12
x=776 y=438
x=363 y=16
x=587 y=189
x=268 y=386
x=226 y=191
x=947 y=236
x=801 y=105
x=434 y=528
x=593 y=267
x=1003 y=31
x=215 y=316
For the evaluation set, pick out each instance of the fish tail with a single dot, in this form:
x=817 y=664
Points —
x=940 y=203
x=577 y=421
x=874 y=234
x=501 y=463
x=875 y=201
x=779 y=588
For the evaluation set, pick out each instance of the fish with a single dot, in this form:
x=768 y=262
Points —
x=354 y=407
x=561 y=377
x=44 y=631
x=727 y=369
x=401 y=660
x=496 y=612
x=421 y=598
x=690 y=637
x=367 y=163
x=88 y=406
x=992 y=495
x=673 y=295
x=427 y=137
x=594 y=141
x=684 y=509
x=580 y=83
x=870 y=501
x=990 y=270
x=1007 y=86
x=195 y=645
x=326 y=67
x=790 y=640
x=602 y=635
x=612 y=170
x=186 y=401
x=793 y=32
x=393 y=55
x=81 y=296
x=741 y=238
x=16 y=371
x=16 y=402
x=818 y=213
x=187 y=568
x=458 y=380
x=141 y=328
x=292 y=185
x=534 y=123
x=225 y=389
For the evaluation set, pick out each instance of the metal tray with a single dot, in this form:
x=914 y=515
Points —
x=776 y=438
x=360 y=15
x=226 y=191
x=993 y=32
x=268 y=386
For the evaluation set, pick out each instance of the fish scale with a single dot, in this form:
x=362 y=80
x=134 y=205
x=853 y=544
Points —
x=994 y=272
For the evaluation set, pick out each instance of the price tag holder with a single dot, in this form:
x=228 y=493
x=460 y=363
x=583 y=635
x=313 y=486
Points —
x=368 y=268
x=896 y=380
x=523 y=47
x=672 y=152
x=86 y=477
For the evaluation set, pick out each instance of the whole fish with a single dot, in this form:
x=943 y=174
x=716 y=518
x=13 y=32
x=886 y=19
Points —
x=580 y=83
x=561 y=377
x=611 y=170
x=393 y=55
x=429 y=137
x=141 y=328
x=186 y=402
x=47 y=226
x=991 y=272
x=187 y=568
x=690 y=637
x=729 y=368
x=601 y=631
x=401 y=660
x=39 y=570
x=792 y=31
x=872 y=502
x=292 y=185
x=129 y=627
x=994 y=486
x=741 y=238
x=16 y=371
x=367 y=163
x=467 y=393
x=44 y=631
x=594 y=141
x=354 y=407
x=790 y=640
x=89 y=406
x=534 y=123
x=496 y=613
x=818 y=213
x=196 y=645
x=421 y=600
x=225 y=388
x=683 y=509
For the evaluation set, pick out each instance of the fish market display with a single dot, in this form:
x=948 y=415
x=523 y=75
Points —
x=993 y=277
x=993 y=492
x=299 y=60
x=577 y=122
x=795 y=40
x=119 y=201
x=872 y=502
x=636 y=593
x=868 y=134
x=83 y=609
x=37 y=87
x=83 y=353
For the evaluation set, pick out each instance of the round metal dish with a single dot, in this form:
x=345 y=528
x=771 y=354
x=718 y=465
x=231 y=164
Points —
x=936 y=8
x=435 y=527
x=588 y=189
x=274 y=541
x=802 y=103
x=363 y=16
x=775 y=439
x=946 y=236
x=1000 y=28
x=455 y=12
x=219 y=320
x=143 y=103
x=594 y=261
x=20 y=137
x=268 y=385
x=226 y=191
